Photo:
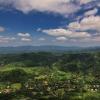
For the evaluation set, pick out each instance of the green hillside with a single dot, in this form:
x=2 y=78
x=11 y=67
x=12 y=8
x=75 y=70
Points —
x=47 y=76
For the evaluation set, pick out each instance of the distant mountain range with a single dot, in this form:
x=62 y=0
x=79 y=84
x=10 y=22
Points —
x=27 y=49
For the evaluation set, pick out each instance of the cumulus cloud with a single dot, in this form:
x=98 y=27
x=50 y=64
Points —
x=85 y=1
x=2 y=29
x=79 y=31
x=91 y=12
x=4 y=39
x=61 y=38
x=92 y=39
x=55 y=6
x=87 y=23
x=24 y=34
x=63 y=7
x=26 y=39
x=67 y=33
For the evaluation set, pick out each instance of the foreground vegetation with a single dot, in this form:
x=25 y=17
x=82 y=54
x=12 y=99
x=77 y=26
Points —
x=47 y=76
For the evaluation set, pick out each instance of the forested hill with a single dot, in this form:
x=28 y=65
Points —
x=70 y=62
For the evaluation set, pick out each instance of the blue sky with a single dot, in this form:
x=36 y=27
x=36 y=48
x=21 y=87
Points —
x=50 y=22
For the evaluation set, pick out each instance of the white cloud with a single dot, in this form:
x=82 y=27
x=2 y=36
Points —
x=85 y=1
x=2 y=29
x=66 y=33
x=91 y=12
x=92 y=39
x=4 y=39
x=61 y=38
x=55 y=6
x=26 y=39
x=87 y=23
x=79 y=31
x=24 y=34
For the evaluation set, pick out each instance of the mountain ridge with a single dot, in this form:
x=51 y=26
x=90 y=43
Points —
x=45 y=48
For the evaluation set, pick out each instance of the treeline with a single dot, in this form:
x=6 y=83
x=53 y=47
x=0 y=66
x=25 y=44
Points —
x=68 y=62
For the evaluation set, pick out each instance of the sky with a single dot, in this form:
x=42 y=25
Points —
x=50 y=22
